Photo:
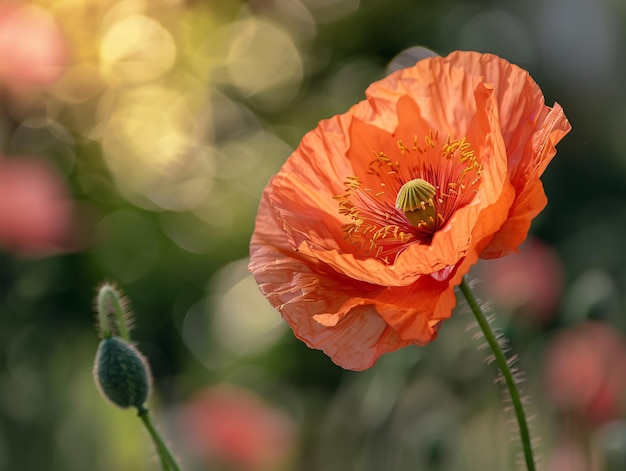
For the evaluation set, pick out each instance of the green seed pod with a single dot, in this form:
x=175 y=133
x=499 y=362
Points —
x=415 y=200
x=122 y=373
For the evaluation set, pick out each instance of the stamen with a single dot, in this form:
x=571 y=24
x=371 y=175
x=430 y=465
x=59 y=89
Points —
x=429 y=182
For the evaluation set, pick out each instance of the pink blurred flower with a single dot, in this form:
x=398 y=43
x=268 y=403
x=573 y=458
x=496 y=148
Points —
x=35 y=211
x=234 y=427
x=529 y=282
x=568 y=457
x=33 y=48
x=586 y=372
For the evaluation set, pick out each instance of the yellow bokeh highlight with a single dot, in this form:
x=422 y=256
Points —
x=241 y=322
x=171 y=96
x=149 y=145
x=135 y=50
x=263 y=59
x=79 y=84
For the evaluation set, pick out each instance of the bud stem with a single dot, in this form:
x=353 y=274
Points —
x=168 y=463
x=506 y=372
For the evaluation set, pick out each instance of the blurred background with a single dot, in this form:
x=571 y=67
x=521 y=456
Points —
x=136 y=137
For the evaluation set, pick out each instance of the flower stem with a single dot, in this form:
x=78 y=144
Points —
x=506 y=372
x=168 y=463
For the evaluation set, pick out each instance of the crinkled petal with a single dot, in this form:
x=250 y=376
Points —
x=520 y=101
x=352 y=322
x=348 y=328
x=530 y=197
x=530 y=129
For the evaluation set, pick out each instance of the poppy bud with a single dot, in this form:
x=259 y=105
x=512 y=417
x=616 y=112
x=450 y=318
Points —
x=122 y=373
x=415 y=200
x=114 y=316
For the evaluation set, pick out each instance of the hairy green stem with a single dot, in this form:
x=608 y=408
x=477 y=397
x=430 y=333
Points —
x=506 y=372
x=168 y=463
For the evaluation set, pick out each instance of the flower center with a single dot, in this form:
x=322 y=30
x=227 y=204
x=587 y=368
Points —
x=415 y=200
x=429 y=180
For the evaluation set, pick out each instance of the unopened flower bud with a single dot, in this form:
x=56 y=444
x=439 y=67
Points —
x=122 y=373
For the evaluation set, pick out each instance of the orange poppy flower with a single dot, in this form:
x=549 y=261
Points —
x=362 y=236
